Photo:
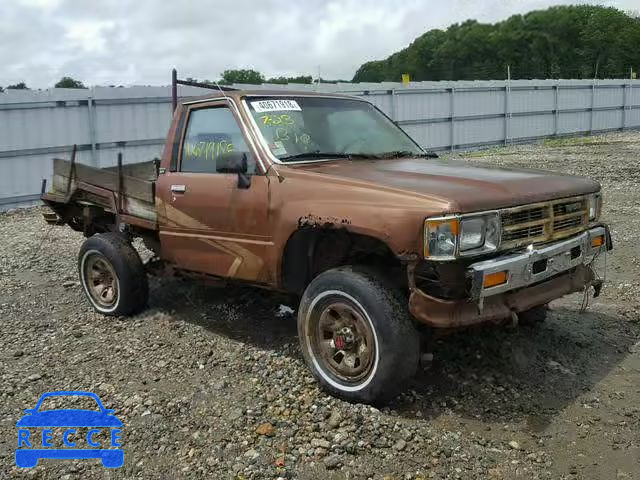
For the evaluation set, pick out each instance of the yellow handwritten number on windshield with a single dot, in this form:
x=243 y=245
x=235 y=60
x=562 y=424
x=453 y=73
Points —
x=275 y=120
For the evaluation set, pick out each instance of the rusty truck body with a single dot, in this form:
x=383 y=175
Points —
x=324 y=197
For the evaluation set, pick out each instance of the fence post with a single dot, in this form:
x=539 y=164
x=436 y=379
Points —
x=92 y=127
x=394 y=113
x=507 y=106
x=624 y=104
x=593 y=104
x=556 y=107
x=452 y=108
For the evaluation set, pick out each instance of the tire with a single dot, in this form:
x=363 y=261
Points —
x=112 y=275
x=533 y=316
x=377 y=317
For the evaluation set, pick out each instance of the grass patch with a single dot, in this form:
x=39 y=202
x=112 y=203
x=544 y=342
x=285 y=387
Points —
x=571 y=141
x=486 y=152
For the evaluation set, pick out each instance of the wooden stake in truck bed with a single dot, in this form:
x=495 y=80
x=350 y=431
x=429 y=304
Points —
x=324 y=197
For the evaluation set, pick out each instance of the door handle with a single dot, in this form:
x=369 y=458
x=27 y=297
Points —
x=178 y=188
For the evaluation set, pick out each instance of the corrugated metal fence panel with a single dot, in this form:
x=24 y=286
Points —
x=108 y=157
x=36 y=126
x=420 y=106
x=532 y=100
x=531 y=126
x=42 y=127
x=474 y=102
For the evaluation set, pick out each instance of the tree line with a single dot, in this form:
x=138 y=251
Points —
x=64 y=82
x=580 y=41
x=254 y=77
x=228 y=77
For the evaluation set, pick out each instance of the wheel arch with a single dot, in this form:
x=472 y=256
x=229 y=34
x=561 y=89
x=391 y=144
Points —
x=311 y=250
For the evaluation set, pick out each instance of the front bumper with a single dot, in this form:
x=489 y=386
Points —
x=533 y=277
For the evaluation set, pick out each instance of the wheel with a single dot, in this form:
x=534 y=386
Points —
x=534 y=315
x=357 y=336
x=112 y=275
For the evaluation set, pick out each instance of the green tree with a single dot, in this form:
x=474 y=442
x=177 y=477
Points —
x=18 y=86
x=242 y=76
x=580 y=41
x=68 y=82
x=305 y=79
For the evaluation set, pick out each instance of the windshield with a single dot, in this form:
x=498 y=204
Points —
x=302 y=128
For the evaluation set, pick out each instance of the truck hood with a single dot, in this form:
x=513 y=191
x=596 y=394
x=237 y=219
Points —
x=466 y=186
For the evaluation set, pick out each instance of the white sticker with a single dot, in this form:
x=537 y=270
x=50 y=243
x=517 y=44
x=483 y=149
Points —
x=275 y=105
x=277 y=148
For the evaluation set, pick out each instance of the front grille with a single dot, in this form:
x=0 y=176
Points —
x=523 y=216
x=543 y=222
x=566 y=223
x=526 y=232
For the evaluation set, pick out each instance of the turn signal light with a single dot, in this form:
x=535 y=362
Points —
x=494 y=279
x=597 y=241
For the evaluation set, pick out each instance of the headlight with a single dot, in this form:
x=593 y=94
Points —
x=441 y=237
x=449 y=237
x=471 y=233
x=595 y=206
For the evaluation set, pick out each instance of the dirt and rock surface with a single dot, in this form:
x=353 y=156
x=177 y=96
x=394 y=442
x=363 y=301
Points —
x=210 y=383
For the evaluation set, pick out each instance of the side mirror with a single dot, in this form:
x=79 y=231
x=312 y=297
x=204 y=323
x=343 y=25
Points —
x=236 y=162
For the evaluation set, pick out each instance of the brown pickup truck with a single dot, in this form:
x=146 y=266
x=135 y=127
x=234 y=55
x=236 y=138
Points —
x=324 y=197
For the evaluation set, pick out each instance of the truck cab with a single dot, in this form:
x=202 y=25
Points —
x=324 y=197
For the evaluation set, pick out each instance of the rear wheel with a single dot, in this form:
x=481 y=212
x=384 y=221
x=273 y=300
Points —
x=112 y=275
x=357 y=336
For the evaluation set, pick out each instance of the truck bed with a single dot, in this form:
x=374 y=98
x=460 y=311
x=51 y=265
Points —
x=129 y=192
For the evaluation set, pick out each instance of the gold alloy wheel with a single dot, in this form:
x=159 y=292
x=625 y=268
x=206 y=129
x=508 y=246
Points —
x=101 y=280
x=343 y=342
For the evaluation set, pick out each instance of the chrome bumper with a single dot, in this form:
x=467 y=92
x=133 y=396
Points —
x=536 y=264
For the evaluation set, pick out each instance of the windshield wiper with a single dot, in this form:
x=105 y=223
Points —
x=404 y=154
x=314 y=155
x=357 y=156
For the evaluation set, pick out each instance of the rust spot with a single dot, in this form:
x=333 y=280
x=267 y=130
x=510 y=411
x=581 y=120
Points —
x=405 y=256
x=312 y=220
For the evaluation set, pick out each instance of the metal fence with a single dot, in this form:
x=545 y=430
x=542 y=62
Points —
x=38 y=125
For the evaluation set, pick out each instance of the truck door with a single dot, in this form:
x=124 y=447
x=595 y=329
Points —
x=208 y=223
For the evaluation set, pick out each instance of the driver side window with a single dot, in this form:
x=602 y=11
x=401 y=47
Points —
x=212 y=133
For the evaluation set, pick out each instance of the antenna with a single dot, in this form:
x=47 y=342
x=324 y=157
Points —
x=220 y=89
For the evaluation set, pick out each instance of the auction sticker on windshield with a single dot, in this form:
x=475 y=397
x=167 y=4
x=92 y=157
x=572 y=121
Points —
x=275 y=105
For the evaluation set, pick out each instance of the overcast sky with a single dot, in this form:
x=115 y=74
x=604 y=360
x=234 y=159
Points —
x=104 y=42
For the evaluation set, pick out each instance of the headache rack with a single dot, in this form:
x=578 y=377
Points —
x=175 y=81
x=543 y=222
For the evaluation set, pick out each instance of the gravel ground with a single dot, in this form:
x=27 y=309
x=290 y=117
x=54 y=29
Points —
x=210 y=383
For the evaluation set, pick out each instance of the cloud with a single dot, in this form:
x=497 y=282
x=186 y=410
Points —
x=139 y=41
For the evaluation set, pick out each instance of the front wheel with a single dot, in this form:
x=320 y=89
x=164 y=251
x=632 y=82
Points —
x=357 y=336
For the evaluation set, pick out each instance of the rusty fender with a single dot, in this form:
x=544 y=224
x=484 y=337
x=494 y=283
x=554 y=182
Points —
x=440 y=313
